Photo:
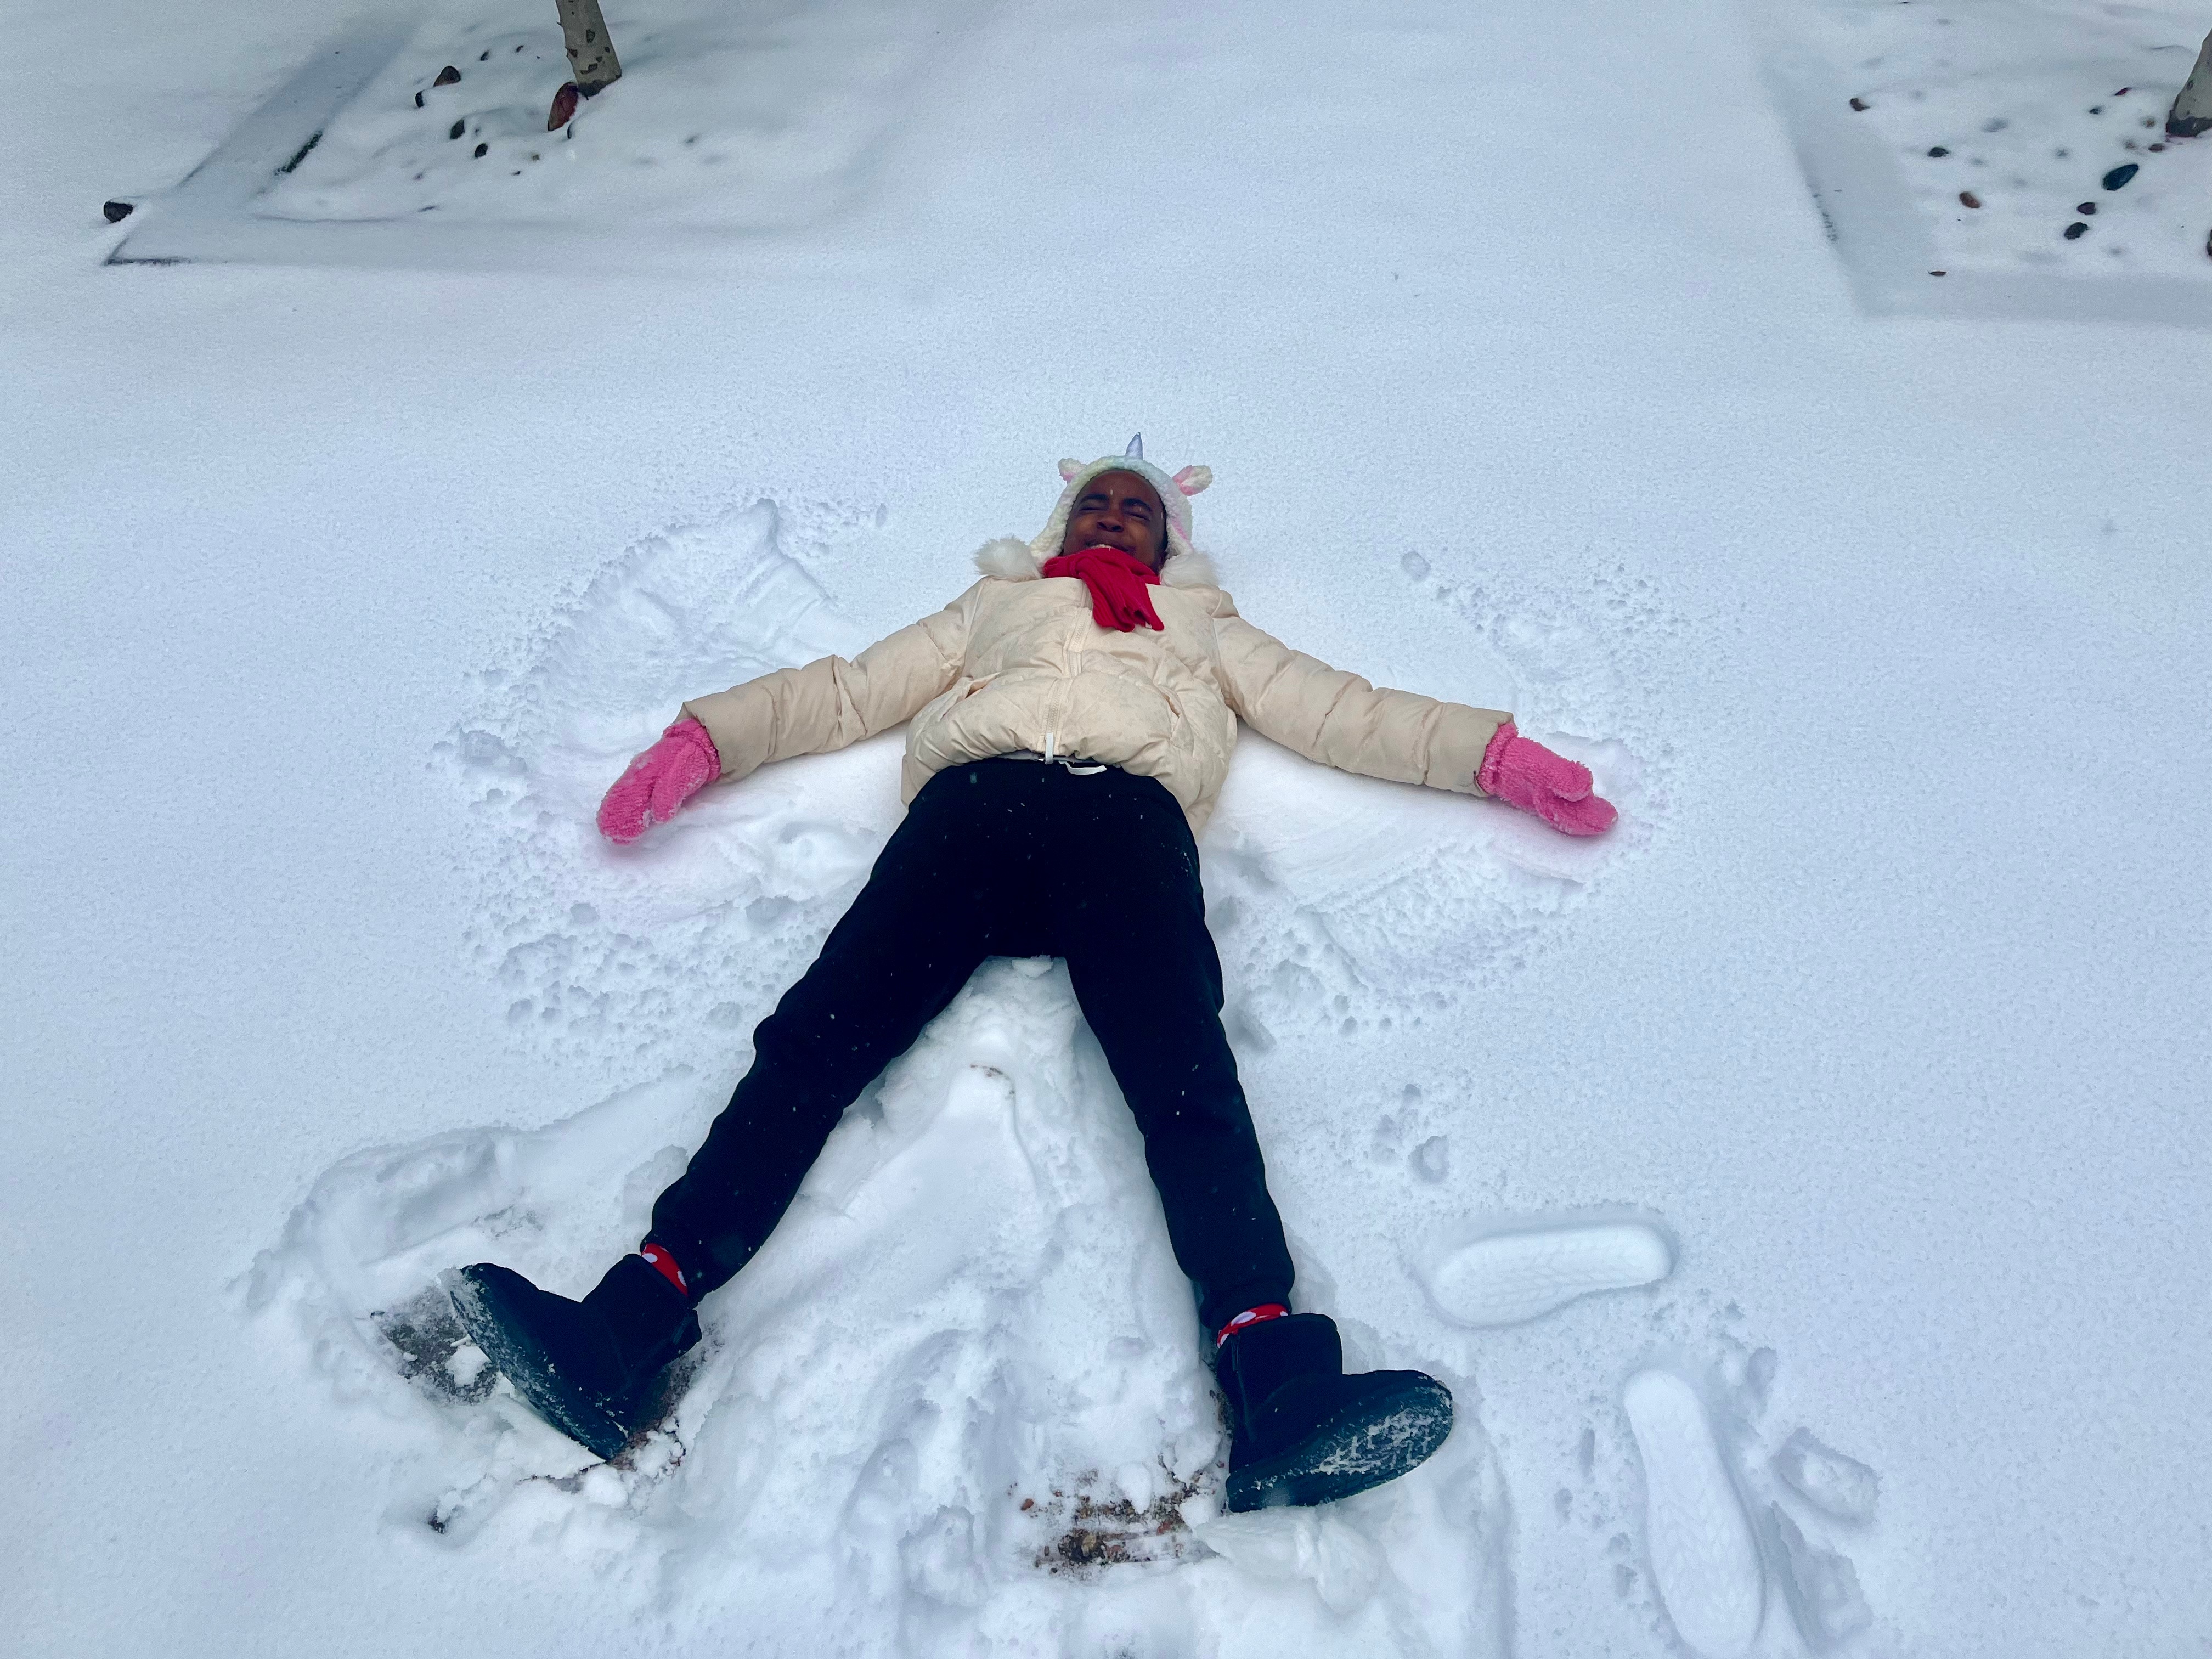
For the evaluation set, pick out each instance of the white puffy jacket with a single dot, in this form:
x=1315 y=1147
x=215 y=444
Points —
x=1017 y=662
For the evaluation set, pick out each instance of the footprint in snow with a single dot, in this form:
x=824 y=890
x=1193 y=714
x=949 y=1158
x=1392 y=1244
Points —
x=1510 y=1276
x=1704 y=1557
x=1703 y=1543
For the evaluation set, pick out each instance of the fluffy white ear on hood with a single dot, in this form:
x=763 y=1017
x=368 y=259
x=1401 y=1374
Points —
x=1069 y=467
x=1008 y=558
x=1192 y=479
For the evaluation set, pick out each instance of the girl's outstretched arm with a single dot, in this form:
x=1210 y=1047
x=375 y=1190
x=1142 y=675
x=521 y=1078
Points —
x=826 y=705
x=1339 y=719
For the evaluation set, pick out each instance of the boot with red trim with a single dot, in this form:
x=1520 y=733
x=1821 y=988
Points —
x=591 y=1369
x=1302 y=1432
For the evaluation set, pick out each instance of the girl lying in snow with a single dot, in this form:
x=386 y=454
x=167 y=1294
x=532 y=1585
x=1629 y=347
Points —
x=1070 y=720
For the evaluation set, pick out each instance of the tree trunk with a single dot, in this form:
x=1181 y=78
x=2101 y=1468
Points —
x=2192 y=106
x=590 y=50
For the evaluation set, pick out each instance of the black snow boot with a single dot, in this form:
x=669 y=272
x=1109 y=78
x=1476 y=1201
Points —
x=1301 y=1431
x=588 y=1368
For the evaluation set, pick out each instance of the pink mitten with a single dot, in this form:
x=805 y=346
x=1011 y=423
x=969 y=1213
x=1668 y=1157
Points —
x=659 y=782
x=1526 y=774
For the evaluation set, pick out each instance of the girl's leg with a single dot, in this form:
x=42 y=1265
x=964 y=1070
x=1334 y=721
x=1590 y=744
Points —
x=1130 y=918
x=917 y=931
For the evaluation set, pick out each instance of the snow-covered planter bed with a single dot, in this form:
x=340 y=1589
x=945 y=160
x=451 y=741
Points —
x=1988 y=155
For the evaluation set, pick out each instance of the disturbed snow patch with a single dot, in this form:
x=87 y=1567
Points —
x=956 y=1404
x=1336 y=901
x=670 y=951
x=1345 y=903
x=1714 y=1512
x=1676 y=1483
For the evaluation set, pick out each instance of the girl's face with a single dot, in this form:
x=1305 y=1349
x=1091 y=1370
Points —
x=1119 y=509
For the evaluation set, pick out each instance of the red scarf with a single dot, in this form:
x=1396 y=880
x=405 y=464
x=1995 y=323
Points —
x=1117 y=581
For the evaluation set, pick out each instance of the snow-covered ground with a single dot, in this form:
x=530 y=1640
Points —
x=2000 y=159
x=1801 y=1189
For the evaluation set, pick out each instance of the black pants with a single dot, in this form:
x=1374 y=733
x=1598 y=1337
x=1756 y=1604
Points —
x=1019 y=859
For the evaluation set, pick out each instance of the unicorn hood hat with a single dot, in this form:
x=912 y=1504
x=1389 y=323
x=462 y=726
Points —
x=1175 y=496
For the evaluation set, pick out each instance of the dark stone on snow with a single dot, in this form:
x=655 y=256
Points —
x=2085 y=207
x=1939 y=273
x=564 y=108
x=2076 y=231
x=2120 y=175
x=447 y=77
x=1939 y=150
x=1967 y=198
x=1858 y=103
x=2154 y=149
x=418 y=100
x=485 y=57
x=299 y=154
x=117 y=212
x=481 y=149
x=457 y=128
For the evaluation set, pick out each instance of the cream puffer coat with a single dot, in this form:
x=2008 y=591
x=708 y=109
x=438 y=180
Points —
x=1017 y=663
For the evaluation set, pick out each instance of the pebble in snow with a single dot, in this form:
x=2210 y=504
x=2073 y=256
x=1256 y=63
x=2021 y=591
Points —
x=457 y=130
x=418 y=100
x=481 y=149
x=447 y=77
x=2120 y=175
x=2085 y=207
x=1967 y=198
x=1939 y=150
x=2075 y=231
x=116 y=212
